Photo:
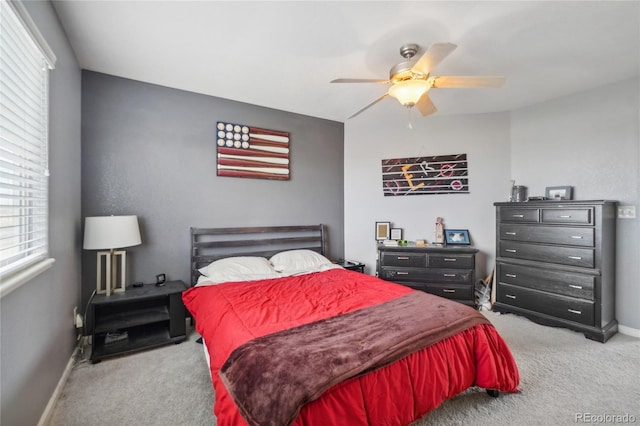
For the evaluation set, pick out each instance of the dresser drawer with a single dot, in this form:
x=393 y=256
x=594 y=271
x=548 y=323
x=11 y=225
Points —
x=515 y=214
x=451 y=261
x=572 y=256
x=427 y=275
x=573 y=236
x=576 y=215
x=559 y=282
x=451 y=291
x=408 y=260
x=413 y=285
x=449 y=276
x=568 y=308
x=403 y=274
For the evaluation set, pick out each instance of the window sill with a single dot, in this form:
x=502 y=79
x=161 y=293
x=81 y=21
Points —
x=19 y=278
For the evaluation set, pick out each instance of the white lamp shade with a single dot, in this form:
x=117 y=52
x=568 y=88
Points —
x=111 y=232
x=409 y=92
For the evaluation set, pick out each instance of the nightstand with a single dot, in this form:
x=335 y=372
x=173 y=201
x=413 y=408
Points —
x=352 y=266
x=140 y=318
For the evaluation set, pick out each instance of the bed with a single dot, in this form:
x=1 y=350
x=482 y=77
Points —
x=292 y=338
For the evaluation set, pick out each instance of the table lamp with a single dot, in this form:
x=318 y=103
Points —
x=111 y=232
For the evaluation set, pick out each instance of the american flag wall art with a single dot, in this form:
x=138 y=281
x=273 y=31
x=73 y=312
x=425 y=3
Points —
x=252 y=152
x=439 y=174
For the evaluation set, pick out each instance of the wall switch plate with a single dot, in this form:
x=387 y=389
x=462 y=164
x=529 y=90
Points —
x=626 y=212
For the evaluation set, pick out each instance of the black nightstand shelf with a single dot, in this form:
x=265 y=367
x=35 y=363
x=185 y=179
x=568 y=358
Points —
x=139 y=318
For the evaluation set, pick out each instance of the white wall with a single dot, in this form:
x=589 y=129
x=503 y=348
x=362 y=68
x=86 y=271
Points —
x=590 y=141
x=370 y=138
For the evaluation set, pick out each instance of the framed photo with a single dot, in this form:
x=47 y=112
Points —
x=457 y=237
x=383 y=230
x=396 y=233
x=558 y=193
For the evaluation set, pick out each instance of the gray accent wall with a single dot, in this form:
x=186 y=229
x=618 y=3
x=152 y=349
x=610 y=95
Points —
x=150 y=151
x=37 y=336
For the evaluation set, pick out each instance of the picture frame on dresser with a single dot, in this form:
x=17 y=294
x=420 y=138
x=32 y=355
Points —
x=457 y=237
x=559 y=193
x=396 y=233
x=383 y=231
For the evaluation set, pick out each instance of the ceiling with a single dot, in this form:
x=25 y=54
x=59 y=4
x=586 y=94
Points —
x=283 y=54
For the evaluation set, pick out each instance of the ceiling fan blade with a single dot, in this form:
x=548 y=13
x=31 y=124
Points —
x=359 y=80
x=370 y=105
x=425 y=105
x=449 y=81
x=432 y=57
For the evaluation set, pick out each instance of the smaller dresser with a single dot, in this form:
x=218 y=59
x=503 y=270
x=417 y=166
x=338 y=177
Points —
x=444 y=271
x=555 y=264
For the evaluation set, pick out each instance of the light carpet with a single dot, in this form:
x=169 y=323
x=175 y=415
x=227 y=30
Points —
x=564 y=379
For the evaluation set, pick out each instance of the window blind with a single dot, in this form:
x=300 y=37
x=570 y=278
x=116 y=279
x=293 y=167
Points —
x=24 y=110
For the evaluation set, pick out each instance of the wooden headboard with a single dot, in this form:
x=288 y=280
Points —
x=209 y=244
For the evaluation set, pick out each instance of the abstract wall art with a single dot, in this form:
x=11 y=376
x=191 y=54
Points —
x=438 y=174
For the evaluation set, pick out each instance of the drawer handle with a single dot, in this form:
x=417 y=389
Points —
x=576 y=237
x=510 y=296
x=511 y=275
x=449 y=275
x=565 y=216
x=573 y=311
x=511 y=250
x=403 y=258
x=402 y=273
x=517 y=215
x=446 y=290
x=448 y=259
x=579 y=287
x=511 y=233
x=575 y=257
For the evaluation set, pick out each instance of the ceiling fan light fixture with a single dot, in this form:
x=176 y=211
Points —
x=409 y=92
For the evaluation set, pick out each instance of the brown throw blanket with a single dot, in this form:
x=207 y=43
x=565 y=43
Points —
x=272 y=377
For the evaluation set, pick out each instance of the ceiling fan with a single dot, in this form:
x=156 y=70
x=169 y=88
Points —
x=411 y=80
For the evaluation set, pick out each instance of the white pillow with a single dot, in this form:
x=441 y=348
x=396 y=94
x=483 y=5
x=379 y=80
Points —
x=320 y=268
x=296 y=261
x=234 y=278
x=240 y=268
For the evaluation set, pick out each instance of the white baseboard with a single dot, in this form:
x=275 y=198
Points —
x=629 y=331
x=48 y=411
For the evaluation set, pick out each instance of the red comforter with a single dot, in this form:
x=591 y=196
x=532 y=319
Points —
x=231 y=314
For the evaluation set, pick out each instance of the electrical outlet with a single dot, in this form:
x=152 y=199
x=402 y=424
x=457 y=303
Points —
x=77 y=318
x=626 y=212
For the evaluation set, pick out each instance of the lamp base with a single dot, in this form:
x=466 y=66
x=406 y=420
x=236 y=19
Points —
x=107 y=275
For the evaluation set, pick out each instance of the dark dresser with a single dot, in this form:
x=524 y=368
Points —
x=555 y=264
x=444 y=271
